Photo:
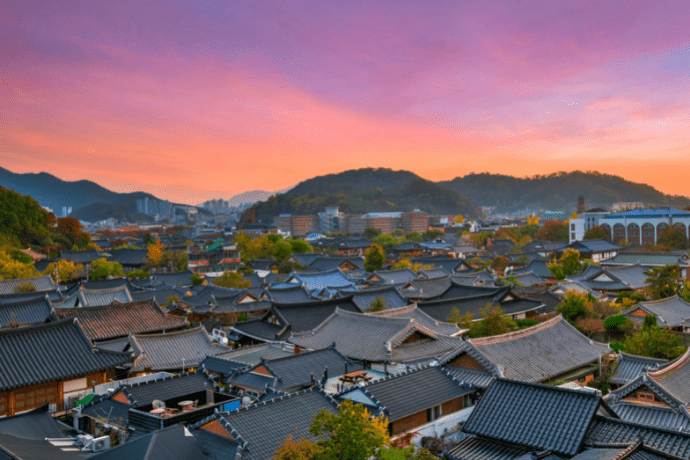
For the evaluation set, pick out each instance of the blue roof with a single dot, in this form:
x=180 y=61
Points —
x=665 y=212
x=318 y=281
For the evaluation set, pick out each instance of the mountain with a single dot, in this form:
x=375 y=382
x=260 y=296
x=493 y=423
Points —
x=88 y=200
x=354 y=179
x=366 y=190
x=253 y=196
x=557 y=191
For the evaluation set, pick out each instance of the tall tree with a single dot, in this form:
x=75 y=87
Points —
x=553 y=230
x=597 y=233
x=672 y=237
x=663 y=282
x=232 y=280
x=373 y=258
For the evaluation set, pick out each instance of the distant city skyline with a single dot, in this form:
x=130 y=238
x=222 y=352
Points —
x=192 y=101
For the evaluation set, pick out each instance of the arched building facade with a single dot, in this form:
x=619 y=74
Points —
x=641 y=227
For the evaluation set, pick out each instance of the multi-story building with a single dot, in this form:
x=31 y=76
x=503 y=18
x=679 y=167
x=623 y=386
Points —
x=297 y=225
x=331 y=220
x=415 y=221
x=641 y=227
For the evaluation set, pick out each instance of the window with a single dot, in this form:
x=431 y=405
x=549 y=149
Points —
x=646 y=396
x=433 y=413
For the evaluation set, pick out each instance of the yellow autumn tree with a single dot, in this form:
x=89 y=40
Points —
x=533 y=220
x=154 y=258
x=459 y=219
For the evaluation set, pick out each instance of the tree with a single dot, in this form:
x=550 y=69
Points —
x=398 y=233
x=494 y=322
x=553 y=230
x=597 y=233
x=387 y=242
x=401 y=264
x=413 y=237
x=672 y=237
x=532 y=220
x=244 y=270
x=281 y=250
x=618 y=325
x=506 y=233
x=663 y=282
x=654 y=342
x=351 y=434
x=178 y=259
x=155 y=254
x=298 y=450
x=287 y=266
x=300 y=246
x=523 y=260
x=196 y=279
x=11 y=269
x=138 y=274
x=373 y=258
x=149 y=240
x=431 y=234
x=574 y=307
x=570 y=260
x=170 y=300
x=67 y=271
x=232 y=280
x=102 y=269
x=370 y=233
x=499 y=264
x=459 y=219
x=378 y=304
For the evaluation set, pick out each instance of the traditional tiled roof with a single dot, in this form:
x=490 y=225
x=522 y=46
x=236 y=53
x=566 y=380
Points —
x=175 y=279
x=332 y=263
x=661 y=213
x=648 y=259
x=433 y=273
x=402 y=276
x=306 y=259
x=295 y=371
x=290 y=294
x=167 y=443
x=429 y=288
x=529 y=279
x=458 y=290
x=160 y=296
x=249 y=356
x=449 y=265
x=632 y=275
x=41 y=283
x=541 y=294
x=173 y=350
x=261 y=330
x=675 y=378
x=81 y=257
x=631 y=367
x=475 y=448
x=376 y=339
x=108 y=322
x=577 y=286
x=109 y=284
x=49 y=353
x=538 y=267
x=541 y=352
x=166 y=388
x=605 y=431
x=418 y=315
x=217 y=446
x=260 y=429
x=34 y=424
x=221 y=366
x=392 y=297
x=262 y=264
x=129 y=256
x=662 y=417
x=308 y=315
x=669 y=312
x=592 y=246
x=441 y=310
x=317 y=281
x=31 y=311
x=53 y=295
x=410 y=392
x=534 y=416
x=100 y=297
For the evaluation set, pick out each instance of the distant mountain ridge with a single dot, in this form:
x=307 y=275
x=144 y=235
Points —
x=88 y=200
x=557 y=191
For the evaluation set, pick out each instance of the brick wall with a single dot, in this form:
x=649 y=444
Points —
x=452 y=406
x=408 y=423
x=467 y=362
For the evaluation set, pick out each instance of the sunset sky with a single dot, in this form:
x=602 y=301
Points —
x=192 y=100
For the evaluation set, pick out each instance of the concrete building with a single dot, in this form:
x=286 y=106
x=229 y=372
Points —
x=641 y=227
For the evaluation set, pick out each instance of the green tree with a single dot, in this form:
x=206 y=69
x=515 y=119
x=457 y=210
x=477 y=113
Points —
x=574 y=307
x=287 y=267
x=67 y=271
x=619 y=325
x=232 y=280
x=149 y=240
x=398 y=233
x=373 y=258
x=413 y=237
x=570 y=260
x=196 y=279
x=597 y=233
x=522 y=260
x=103 y=269
x=244 y=270
x=387 y=242
x=499 y=264
x=672 y=237
x=431 y=234
x=663 y=282
x=139 y=274
x=281 y=250
x=11 y=269
x=378 y=304
x=654 y=342
x=370 y=233
x=351 y=434
x=494 y=322
x=300 y=246
x=529 y=230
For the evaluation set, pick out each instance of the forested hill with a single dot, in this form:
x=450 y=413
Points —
x=367 y=190
x=352 y=180
x=558 y=191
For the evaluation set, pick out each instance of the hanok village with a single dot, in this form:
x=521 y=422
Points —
x=468 y=340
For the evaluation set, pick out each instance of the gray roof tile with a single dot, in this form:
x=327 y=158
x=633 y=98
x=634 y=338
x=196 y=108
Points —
x=173 y=350
x=669 y=312
x=100 y=297
x=41 y=283
x=535 y=416
x=30 y=311
x=49 y=353
x=630 y=367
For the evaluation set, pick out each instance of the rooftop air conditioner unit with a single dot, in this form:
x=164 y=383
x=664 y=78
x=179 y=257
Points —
x=100 y=444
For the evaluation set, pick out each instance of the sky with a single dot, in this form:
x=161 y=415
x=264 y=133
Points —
x=193 y=100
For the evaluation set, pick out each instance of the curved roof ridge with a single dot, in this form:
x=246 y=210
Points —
x=111 y=306
x=671 y=369
x=394 y=311
x=662 y=301
x=458 y=299
x=516 y=334
x=369 y=317
x=103 y=290
x=167 y=335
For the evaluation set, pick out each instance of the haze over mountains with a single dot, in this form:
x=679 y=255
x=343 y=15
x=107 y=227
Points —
x=367 y=190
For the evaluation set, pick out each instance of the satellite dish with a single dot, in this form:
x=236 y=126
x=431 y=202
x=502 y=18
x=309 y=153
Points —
x=158 y=404
x=246 y=400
